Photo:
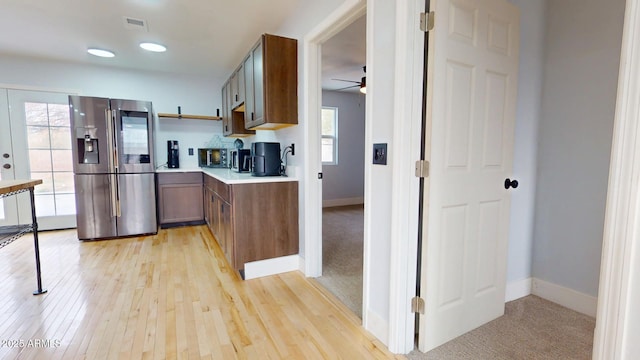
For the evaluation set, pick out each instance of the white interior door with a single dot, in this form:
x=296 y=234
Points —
x=473 y=66
x=40 y=138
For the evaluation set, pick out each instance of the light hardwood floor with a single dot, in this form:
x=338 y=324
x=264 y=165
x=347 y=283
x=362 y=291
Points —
x=164 y=297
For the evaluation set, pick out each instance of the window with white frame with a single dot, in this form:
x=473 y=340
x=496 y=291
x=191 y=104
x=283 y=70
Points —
x=329 y=135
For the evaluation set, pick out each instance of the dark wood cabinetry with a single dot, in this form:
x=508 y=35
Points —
x=232 y=117
x=237 y=87
x=180 y=199
x=252 y=221
x=263 y=92
x=271 y=83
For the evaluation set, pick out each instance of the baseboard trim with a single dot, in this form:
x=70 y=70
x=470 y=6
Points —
x=302 y=265
x=342 y=202
x=518 y=289
x=377 y=326
x=256 y=269
x=574 y=300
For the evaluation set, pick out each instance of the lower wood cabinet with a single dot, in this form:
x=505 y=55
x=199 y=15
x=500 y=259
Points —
x=252 y=221
x=180 y=199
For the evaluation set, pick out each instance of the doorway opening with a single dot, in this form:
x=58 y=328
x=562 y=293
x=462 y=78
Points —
x=342 y=141
x=37 y=145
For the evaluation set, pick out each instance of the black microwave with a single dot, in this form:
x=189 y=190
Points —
x=213 y=158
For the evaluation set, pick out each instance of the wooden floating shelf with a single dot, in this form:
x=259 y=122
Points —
x=185 y=116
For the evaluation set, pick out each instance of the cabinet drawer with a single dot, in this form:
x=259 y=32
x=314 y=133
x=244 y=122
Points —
x=223 y=190
x=209 y=182
x=180 y=178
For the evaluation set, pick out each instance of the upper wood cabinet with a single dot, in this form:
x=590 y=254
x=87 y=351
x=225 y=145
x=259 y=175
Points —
x=262 y=93
x=237 y=87
x=232 y=118
x=271 y=84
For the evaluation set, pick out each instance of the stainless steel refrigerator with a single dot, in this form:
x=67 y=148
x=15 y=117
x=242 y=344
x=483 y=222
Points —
x=113 y=167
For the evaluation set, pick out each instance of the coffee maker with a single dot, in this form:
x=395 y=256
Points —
x=173 y=160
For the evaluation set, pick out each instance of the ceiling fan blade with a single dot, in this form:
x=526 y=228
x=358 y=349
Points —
x=356 y=82
x=348 y=87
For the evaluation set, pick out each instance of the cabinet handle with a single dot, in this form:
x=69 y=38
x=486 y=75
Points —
x=226 y=128
x=236 y=97
x=251 y=116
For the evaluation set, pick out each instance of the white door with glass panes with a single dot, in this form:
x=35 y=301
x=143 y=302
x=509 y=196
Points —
x=40 y=136
x=473 y=68
x=8 y=205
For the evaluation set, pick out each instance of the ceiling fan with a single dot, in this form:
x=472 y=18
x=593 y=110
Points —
x=362 y=84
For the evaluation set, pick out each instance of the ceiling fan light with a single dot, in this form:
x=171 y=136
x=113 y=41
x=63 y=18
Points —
x=153 y=47
x=363 y=85
x=101 y=52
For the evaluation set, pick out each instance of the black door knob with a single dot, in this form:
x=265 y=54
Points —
x=510 y=183
x=6 y=166
x=6 y=156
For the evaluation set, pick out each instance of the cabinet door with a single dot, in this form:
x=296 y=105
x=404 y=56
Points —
x=215 y=218
x=258 y=86
x=227 y=232
x=227 y=128
x=239 y=92
x=205 y=204
x=237 y=87
x=180 y=203
x=249 y=105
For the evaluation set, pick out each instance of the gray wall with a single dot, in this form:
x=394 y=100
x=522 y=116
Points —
x=582 y=52
x=346 y=179
x=530 y=72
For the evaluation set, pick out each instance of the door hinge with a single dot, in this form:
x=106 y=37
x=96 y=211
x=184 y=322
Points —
x=422 y=168
x=427 y=21
x=417 y=305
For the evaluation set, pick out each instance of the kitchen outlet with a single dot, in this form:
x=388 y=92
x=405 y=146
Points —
x=380 y=154
x=190 y=151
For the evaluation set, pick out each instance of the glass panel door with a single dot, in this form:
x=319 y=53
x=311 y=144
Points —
x=41 y=138
x=8 y=205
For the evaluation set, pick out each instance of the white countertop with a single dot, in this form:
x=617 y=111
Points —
x=230 y=177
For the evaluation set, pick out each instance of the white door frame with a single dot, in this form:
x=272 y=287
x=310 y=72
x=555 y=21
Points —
x=617 y=326
x=406 y=150
x=312 y=104
x=405 y=196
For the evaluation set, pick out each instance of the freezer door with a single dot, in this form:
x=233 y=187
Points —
x=137 y=194
x=94 y=206
x=133 y=122
x=90 y=129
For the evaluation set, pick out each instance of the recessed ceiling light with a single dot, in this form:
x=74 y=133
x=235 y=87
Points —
x=153 y=47
x=101 y=52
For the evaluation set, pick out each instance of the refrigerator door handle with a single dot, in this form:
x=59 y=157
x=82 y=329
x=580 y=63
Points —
x=118 y=209
x=111 y=141
x=115 y=202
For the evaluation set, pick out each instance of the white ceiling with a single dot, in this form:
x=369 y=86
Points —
x=344 y=56
x=207 y=37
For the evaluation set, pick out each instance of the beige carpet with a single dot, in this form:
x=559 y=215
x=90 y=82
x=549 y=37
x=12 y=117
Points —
x=342 y=253
x=532 y=328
